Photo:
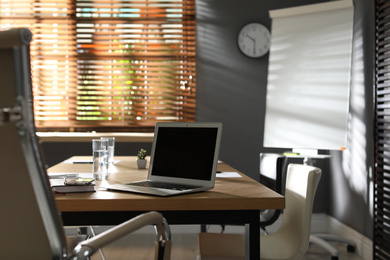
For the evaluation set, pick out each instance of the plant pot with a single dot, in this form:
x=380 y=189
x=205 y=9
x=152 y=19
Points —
x=141 y=163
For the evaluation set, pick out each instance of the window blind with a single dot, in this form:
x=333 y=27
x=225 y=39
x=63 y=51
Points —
x=381 y=238
x=107 y=64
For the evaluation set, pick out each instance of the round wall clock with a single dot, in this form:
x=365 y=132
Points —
x=254 y=40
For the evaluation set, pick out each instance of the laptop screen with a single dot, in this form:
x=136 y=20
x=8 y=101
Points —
x=185 y=152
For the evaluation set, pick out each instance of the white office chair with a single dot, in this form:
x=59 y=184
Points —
x=291 y=240
x=272 y=175
x=30 y=223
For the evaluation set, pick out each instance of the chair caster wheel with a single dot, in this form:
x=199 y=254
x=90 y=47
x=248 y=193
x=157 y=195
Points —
x=350 y=249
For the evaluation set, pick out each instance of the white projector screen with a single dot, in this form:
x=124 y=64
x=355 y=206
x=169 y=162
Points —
x=309 y=75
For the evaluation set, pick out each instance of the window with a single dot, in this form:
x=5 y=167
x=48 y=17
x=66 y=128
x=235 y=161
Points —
x=108 y=64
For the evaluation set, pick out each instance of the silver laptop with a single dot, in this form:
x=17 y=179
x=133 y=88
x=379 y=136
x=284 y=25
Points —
x=184 y=159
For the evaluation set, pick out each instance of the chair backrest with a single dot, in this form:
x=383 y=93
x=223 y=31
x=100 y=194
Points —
x=29 y=221
x=273 y=175
x=291 y=240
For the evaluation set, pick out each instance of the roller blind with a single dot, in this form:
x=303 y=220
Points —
x=381 y=238
x=309 y=76
x=104 y=64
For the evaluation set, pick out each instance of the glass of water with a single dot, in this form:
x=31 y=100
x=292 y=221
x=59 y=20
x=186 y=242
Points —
x=110 y=149
x=99 y=157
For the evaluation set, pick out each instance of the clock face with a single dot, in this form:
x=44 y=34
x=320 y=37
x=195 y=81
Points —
x=254 y=40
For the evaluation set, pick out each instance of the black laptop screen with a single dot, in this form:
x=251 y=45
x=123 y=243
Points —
x=185 y=152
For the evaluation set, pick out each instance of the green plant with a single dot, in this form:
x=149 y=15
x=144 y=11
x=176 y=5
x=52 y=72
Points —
x=141 y=154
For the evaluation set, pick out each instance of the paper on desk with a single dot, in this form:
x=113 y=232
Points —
x=228 y=175
x=61 y=175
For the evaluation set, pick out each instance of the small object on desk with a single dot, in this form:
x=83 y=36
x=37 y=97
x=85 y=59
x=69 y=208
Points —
x=83 y=162
x=89 y=161
x=62 y=175
x=141 y=159
x=78 y=181
x=99 y=158
x=110 y=148
x=228 y=175
x=86 y=161
x=59 y=186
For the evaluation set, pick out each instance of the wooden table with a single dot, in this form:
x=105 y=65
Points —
x=232 y=201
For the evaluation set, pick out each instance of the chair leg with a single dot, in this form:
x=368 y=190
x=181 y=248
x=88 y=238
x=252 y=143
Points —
x=351 y=246
x=100 y=250
x=325 y=245
x=321 y=240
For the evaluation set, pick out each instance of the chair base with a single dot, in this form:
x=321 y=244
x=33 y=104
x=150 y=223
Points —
x=321 y=240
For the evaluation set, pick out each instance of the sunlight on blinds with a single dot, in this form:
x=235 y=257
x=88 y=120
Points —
x=109 y=63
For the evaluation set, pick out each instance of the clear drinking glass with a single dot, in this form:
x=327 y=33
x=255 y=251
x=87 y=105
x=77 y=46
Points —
x=100 y=163
x=110 y=149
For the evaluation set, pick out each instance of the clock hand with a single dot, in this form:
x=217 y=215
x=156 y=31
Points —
x=250 y=37
x=253 y=40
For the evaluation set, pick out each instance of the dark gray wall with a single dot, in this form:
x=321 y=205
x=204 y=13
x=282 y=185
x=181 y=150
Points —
x=351 y=185
x=231 y=88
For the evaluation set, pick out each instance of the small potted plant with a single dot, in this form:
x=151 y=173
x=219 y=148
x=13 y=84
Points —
x=141 y=159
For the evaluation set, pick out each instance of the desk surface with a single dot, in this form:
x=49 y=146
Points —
x=241 y=193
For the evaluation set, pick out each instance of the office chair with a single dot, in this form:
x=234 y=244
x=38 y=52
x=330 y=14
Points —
x=291 y=240
x=30 y=223
x=273 y=175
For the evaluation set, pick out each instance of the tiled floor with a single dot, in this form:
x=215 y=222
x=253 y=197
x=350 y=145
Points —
x=140 y=246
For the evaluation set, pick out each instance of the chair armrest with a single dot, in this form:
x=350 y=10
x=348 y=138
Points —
x=87 y=248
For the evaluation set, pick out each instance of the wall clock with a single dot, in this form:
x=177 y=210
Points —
x=254 y=40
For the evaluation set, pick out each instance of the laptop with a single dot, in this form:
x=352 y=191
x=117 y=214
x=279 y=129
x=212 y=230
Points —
x=183 y=160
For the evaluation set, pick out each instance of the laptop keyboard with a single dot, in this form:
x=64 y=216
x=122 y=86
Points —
x=163 y=185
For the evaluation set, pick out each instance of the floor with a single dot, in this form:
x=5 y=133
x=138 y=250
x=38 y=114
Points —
x=317 y=253
x=140 y=246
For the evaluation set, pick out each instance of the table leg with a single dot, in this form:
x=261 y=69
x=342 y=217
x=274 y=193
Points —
x=252 y=237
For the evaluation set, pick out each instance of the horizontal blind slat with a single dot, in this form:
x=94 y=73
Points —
x=382 y=132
